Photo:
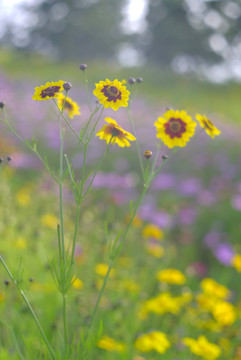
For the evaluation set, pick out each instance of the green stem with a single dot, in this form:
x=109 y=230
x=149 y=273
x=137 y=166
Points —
x=75 y=232
x=65 y=323
x=136 y=142
x=61 y=156
x=51 y=352
x=87 y=90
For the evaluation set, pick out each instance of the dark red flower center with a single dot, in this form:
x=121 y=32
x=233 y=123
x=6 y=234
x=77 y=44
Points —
x=175 y=128
x=208 y=124
x=111 y=92
x=50 y=91
x=67 y=105
x=115 y=132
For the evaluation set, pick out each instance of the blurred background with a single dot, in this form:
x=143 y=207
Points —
x=188 y=36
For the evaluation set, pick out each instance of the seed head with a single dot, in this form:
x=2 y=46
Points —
x=2 y=104
x=139 y=80
x=147 y=154
x=67 y=86
x=83 y=67
x=131 y=81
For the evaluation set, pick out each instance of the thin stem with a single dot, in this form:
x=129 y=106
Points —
x=87 y=90
x=65 y=323
x=75 y=232
x=61 y=155
x=52 y=354
x=136 y=142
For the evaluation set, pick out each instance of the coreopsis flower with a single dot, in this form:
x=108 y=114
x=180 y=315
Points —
x=48 y=91
x=110 y=344
x=50 y=221
x=113 y=133
x=112 y=94
x=175 y=128
x=77 y=283
x=214 y=289
x=207 y=125
x=171 y=276
x=102 y=269
x=224 y=313
x=154 y=340
x=236 y=262
x=152 y=231
x=69 y=105
x=203 y=347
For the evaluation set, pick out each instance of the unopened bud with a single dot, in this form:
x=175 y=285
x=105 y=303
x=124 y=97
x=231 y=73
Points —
x=9 y=158
x=83 y=67
x=2 y=104
x=6 y=282
x=139 y=80
x=131 y=81
x=31 y=279
x=67 y=86
x=164 y=157
x=147 y=154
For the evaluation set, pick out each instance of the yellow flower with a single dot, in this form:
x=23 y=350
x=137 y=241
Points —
x=207 y=125
x=203 y=348
x=48 y=91
x=112 y=94
x=20 y=243
x=155 y=249
x=110 y=344
x=1 y=297
x=175 y=128
x=224 y=313
x=69 y=105
x=171 y=276
x=152 y=231
x=77 y=283
x=50 y=221
x=161 y=304
x=113 y=133
x=101 y=269
x=23 y=197
x=214 y=289
x=236 y=262
x=154 y=340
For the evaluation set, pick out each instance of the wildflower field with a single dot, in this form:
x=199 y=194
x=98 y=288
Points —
x=120 y=220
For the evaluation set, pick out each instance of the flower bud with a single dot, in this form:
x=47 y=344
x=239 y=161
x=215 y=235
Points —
x=2 y=104
x=139 y=80
x=147 y=154
x=131 y=81
x=67 y=86
x=83 y=67
x=9 y=158
x=6 y=282
x=164 y=157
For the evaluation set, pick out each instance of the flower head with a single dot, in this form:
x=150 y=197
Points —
x=112 y=94
x=48 y=91
x=113 y=133
x=171 y=276
x=110 y=344
x=207 y=125
x=154 y=340
x=203 y=348
x=69 y=105
x=175 y=128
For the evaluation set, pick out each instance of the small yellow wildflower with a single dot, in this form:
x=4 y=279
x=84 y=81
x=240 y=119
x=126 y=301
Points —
x=152 y=231
x=155 y=250
x=113 y=133
x=112 y=94
x=154 y=340
x=1 y=297
x=175 y=128
x=236 y=262
x=207 y=125
x=224 y=313
x=23 y=197
x=171 y=276
x=50 y=221
x=77 y=283
x=110 y=344
x=101 y=269
x=20 y=243
x=161 y=304
x=203 y=348
x=69 y=105
x=48 y=91
x=214 y=289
